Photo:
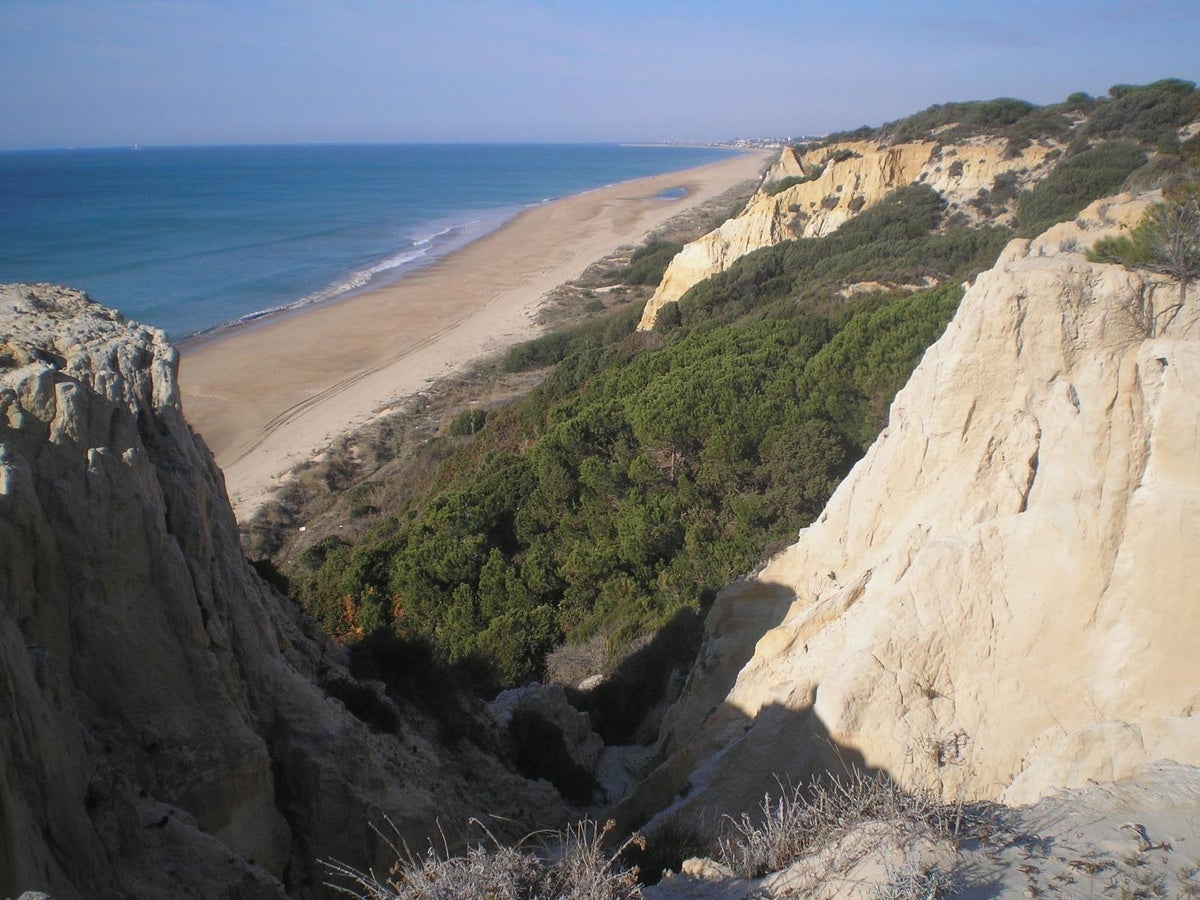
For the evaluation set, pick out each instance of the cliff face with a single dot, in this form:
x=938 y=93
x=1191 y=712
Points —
x=163 y=730
x=849 y=177
x=1001 y=597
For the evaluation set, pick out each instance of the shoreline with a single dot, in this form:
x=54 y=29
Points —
x=487 y=221
x=272 y=392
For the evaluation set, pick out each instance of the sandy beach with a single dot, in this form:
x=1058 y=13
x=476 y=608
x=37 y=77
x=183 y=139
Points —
x=270 y=395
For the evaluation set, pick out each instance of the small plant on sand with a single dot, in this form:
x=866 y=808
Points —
x=808 y=816
x=915 y=882
x=569 y=865
x=1166 y=241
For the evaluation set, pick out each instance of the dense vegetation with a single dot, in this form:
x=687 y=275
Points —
x=1151 y=114
x=645 y=472
x=1148 y=114
x=1082 y=178
x=649 y=262
x=648 y=470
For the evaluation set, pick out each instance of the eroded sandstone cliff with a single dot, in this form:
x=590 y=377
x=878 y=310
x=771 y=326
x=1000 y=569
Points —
x=163 y=732
x=1001 y=597
x=842 y=179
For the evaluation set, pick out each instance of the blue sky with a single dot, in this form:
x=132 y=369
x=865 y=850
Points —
x=118 y=72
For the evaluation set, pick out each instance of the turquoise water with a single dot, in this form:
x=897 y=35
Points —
x=192 y=238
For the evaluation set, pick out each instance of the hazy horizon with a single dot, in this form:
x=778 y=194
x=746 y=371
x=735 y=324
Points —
x=381 y=143
x=218 y=72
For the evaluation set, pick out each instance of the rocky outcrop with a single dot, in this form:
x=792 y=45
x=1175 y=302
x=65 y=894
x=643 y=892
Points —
x=548 y=702
x=1000 y=599
x=163 y=730
x=843 y=179
x=786 y=166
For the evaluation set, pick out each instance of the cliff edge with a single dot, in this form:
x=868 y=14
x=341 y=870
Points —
x=810 y=194
x=165 y=730
x=1000 y=598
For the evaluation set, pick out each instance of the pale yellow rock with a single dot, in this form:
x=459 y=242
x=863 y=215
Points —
x=786 y=166
x=962 y=170
x=169 y=725
x=844 y=188
x=1107 y=217
x=1001 y=598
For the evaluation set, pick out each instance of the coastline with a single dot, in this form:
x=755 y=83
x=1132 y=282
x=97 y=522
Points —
x=273 y=392
x=374 y=278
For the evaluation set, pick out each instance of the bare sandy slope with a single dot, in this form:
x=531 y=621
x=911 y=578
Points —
x=268 y=396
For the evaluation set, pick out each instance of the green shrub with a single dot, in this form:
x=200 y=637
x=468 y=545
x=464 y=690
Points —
x=1132 y=250
x=646 y=471
x=971 y=117
x=1189 y=150
x=861 y=133
x=668 y=317
x=839 y=155
x=601 y=332
x=1004 y=187
x=1015 y=144
x=361 y=510
x=1149 y=113
x=778 y=187
x=649 y=262
x=1167 y=241
x=1075 y=183
x=1161 y=172
x=467 y=422
x=892 y=237
x=1080 y=102
x=852 y=380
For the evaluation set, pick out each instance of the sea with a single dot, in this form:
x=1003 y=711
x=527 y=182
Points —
x=192 y=239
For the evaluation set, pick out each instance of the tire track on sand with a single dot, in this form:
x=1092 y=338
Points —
x=297 y=410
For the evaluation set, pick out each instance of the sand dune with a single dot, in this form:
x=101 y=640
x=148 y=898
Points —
x=269 y=395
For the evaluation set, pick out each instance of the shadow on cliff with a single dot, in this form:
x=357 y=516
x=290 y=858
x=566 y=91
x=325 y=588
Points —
x=758 y=765
x=718 y=758
x=627 y=706
x=737 y=620
x=634 y=703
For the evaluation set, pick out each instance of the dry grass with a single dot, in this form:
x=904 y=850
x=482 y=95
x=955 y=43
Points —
x=569 y=865
x=915 y=882
x=807 y=817
x=571 y=664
